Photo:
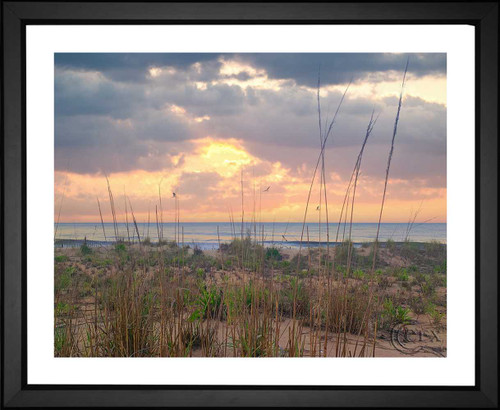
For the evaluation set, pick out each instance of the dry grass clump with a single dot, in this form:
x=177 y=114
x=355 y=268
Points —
x=138 y=301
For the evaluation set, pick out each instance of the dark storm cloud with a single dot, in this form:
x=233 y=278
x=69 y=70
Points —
x=90 y=93
x=92 y=130
x=336 y=68
x=340 y=68
x=79 y=93
x=129 y=66
x=112 y=116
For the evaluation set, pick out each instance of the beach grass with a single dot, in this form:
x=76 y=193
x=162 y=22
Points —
x=132 y=300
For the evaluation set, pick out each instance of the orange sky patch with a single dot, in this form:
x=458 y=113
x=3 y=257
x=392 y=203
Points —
x=214 y=168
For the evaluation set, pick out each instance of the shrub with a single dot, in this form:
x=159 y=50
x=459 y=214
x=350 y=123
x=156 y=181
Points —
x=63 y=280
x=358 y=274
x=417 y=305
x=390 y=244
x=392 y=314
x=410 y=249
x=402 y=314
x=383 y=282
x=273 y=254
x=342 y=251
x=434 y=249
x=208 y=303
x=62 y=309
x=85 y=249
x=403 y=275
x=120 y=247
x=438 y=280
x=60 y=341
x=435 y=314
x=61 y=258
x=427 y=286
x=441 y=268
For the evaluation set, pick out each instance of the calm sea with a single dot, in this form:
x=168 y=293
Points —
x=205 y=234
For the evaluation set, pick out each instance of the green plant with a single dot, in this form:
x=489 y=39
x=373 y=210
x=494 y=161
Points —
x=120 y=247
x=434 y=249
x=392 y=314
x=358 y=274
x=390 y=244
x=403 y=275
x=63 y=308
x=63 y=280
x=434 y=313
x=60 y=340
x=208 y=303
x=273 y=254
x=417 y=305
x=427 y=286
x=61 y=258
x=402 y=315
x=441 y=268
x=85 y=249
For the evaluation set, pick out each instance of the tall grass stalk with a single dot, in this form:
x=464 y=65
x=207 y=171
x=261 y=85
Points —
x=102 y=221
x=135 y=222
x=149 y=219
x=60 y=206
x=160 y=238
x=389 y=159
x=369 y=130
x=112 y=205
x=323 y=145
x=388 y=168
x=157 y=225
x=126 y=214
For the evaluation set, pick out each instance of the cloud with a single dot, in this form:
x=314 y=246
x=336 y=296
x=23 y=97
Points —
x=181 y=114
x=336 y=68
x=340 y=68
x=107 y=120
x=198 y=185
x=132 y=67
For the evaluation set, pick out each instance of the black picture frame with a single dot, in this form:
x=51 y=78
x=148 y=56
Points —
x=17 y=15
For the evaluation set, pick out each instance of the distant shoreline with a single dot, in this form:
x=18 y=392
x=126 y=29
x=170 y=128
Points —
x=292 y=234
x=74 y=243
x=248 y=223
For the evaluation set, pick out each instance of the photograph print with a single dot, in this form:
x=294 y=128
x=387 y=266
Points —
x=250 y=205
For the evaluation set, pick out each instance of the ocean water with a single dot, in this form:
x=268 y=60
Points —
x=285 y=234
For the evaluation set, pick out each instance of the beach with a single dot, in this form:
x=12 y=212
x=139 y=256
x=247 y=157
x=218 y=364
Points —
x=249 y=300
x=208 y=235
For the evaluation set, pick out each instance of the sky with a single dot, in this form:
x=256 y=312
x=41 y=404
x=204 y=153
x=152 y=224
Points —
x=203 y=125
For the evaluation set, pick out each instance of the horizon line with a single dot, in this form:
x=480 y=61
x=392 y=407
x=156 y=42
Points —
x=246 y=222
